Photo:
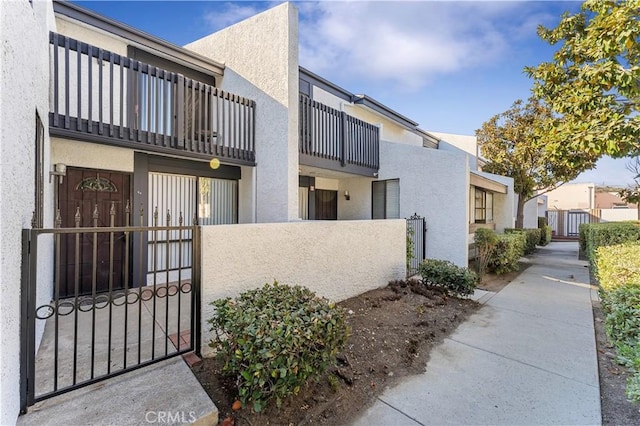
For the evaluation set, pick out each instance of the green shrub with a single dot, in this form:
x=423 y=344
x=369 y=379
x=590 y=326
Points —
x=622 y=315
x=545 y=235
x=410 y=249
x=622 y=324
x=542 y=221
x=442 y=273
x=617 y=265
x=633 y=388
x=532 y=237
x=609 y=234
x=509 y=249
x=583 y=230
x=485 y=242
x=545 y=231
x=275 y=338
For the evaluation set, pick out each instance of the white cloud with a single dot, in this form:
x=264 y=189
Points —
x=229 y=14
x=408 y=44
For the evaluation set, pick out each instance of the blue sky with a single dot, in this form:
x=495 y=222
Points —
x=449 y=65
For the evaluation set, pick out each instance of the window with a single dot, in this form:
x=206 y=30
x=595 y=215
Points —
x=38 y=214
x=483 y=206
x=218 y=203
x=303 y=203
x=385 y=199
x=154 y=106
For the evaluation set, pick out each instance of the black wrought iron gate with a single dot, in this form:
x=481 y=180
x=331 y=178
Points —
x=71 y=342
x=416 y=242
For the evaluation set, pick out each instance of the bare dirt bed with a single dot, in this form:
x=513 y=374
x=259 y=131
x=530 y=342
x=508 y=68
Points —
x=393 y=330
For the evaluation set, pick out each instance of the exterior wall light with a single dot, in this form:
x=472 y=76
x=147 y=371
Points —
x=60 y=170
x=347 y=196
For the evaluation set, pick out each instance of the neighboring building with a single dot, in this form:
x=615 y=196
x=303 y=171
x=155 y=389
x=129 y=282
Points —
x=572 y=196
x=227 y=130
x=605 y=198
x=492 y=201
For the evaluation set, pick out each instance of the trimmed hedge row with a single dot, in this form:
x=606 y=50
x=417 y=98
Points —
x=613 y=250
x=595 y=235
x=532 y=237
x=617 y=265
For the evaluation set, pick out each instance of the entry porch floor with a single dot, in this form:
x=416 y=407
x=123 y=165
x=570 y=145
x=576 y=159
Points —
x=145 y=325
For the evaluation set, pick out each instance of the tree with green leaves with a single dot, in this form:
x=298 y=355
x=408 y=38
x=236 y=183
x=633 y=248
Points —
x=513 y=144
x=593 y=83
x=631 y=194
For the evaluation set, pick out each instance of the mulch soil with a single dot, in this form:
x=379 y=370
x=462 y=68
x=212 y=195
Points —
x=392 y=331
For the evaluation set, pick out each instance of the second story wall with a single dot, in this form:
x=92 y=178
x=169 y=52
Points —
x=261 y=58
x=94 y=36
x=390 y=131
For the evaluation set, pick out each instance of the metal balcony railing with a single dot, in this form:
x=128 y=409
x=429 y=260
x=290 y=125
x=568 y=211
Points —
x=100 y=96
x=332 y=139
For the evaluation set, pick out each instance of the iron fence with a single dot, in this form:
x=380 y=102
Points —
x=121 y=323
x=416 y=243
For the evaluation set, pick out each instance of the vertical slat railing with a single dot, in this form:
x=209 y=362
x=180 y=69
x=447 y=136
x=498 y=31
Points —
x=111 y=96
x=331 y=134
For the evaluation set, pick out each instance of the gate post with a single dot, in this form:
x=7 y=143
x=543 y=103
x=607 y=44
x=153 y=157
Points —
x=27 y=318
x=196 y=309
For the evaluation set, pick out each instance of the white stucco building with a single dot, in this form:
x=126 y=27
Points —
x=288 y=175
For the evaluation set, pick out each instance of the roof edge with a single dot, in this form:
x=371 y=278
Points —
x=128 y=32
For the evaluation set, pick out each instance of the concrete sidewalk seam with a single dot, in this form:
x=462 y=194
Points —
x=540 y=316
x=525 y=363
x=399 y=411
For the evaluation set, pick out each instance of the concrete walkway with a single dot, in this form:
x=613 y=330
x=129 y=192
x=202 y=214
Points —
x=527 y=357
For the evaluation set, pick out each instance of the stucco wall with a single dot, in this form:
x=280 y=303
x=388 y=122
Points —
x=261 y=58
x=335 y=259
x=467 y=143
x=91 y=35
x=531 y=213
x=75 y=153
x=433 y=184
x=24 y=80
x=616 y=215
x=390 y=130
x=572 y=196
x=504 y=213
x=473 y=160
x=358 y=207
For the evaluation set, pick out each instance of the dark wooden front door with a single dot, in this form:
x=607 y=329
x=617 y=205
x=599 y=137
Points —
x=86 y=189
x=326 y=204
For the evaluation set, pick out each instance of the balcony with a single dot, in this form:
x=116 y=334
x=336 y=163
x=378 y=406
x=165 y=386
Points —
x=331 y=139
x=98 y=96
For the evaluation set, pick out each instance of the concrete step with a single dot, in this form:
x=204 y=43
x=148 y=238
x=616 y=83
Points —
x=164 y=393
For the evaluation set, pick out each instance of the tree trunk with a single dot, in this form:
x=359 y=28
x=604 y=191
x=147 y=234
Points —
x=520 y=212
x=638 y=208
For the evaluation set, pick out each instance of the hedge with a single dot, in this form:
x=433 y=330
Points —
x=532 y=237
x=608 y=234
x=618 y=271
x=617 y=265
x=509 y=249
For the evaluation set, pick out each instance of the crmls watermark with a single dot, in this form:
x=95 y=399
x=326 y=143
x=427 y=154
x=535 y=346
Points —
x=170 y=417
